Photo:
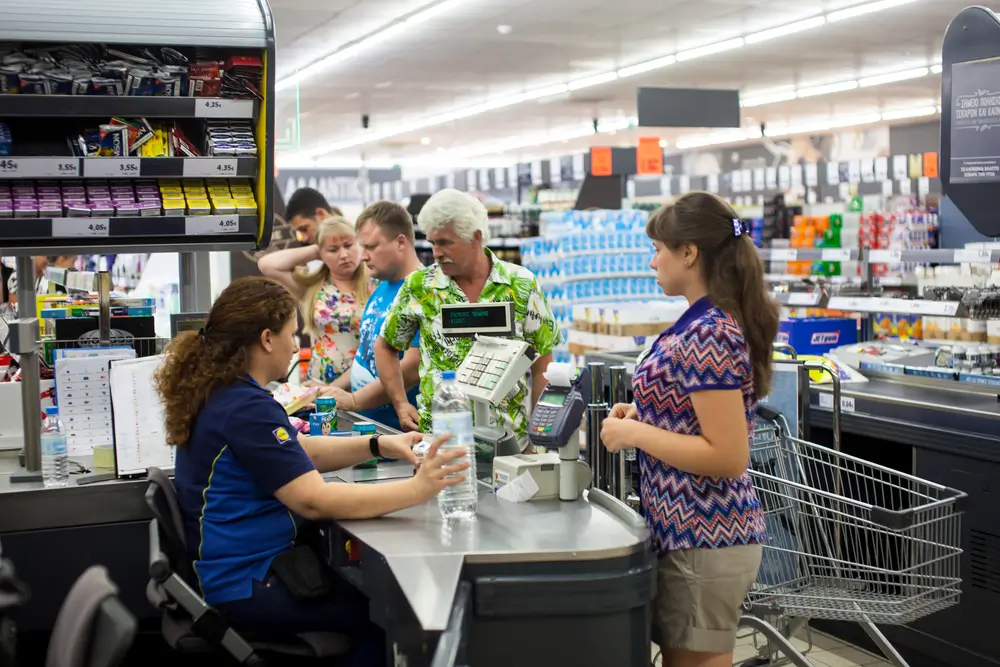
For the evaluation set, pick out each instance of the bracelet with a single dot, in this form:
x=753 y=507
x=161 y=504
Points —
x=373 y=446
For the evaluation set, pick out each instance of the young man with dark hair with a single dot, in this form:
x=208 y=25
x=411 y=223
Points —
x=305 y=210
x=385 y=232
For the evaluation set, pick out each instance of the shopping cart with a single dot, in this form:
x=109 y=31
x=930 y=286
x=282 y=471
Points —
x=847 y=540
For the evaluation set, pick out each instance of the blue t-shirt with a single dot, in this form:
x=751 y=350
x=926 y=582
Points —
x=241 y=450
x=363 y=369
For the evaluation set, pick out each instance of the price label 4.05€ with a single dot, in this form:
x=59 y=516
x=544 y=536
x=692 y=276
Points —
x=207 y=225
x=75 y=227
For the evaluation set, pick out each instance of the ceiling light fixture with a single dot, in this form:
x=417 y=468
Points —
x=826 y=89
x=865 y=8
x=594 y=80
x=377 y=36
x=936 y=69
x=504 y=29
x=893 y=77
x=710 y=49
x=782 y=31
x=631 y=70
x=767 y=98
x=425 y=141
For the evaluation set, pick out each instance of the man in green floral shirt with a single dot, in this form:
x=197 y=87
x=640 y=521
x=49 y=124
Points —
x=465 y=271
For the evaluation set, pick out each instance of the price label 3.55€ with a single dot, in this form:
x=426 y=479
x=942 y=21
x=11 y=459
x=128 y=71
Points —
x=76 y=227
x=39 y=167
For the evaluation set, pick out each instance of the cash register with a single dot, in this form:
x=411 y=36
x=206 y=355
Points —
x=490 y=371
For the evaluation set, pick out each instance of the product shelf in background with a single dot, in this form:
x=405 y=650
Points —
x=13 y=167
x=862 y=304
x=95 y=106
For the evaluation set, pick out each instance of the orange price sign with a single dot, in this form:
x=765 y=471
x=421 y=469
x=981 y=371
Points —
x=600 y=161
x=931 y=165
x=649 y=157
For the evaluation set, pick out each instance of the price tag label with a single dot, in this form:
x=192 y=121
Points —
x=201 y=167
x=846 y=402
x=784 y=255
x=850 y=304
x=204 y=225
x=974 y=255
x=938 y=308
x=217 y=108
x=885 y=256
x=39 y=167
x=75 y=227
x=111 y=167
x=835 y=255
x=803 y=298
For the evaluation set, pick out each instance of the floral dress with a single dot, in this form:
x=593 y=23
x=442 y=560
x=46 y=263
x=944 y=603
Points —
x=338 y=318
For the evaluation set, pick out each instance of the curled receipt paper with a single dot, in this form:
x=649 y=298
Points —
x=559 y=374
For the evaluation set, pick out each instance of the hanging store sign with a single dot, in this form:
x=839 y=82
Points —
x=649 y=157
x=600 y=161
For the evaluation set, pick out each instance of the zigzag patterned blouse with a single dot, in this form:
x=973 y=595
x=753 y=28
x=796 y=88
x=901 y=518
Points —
x=705 y=349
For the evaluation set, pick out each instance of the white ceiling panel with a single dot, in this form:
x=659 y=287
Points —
x=458 y=59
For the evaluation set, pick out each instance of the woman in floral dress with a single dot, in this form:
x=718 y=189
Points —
x=333 y=295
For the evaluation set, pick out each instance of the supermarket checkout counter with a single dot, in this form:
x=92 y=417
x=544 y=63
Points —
x=943 y=433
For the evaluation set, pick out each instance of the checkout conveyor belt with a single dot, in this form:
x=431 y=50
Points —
x=929 y=417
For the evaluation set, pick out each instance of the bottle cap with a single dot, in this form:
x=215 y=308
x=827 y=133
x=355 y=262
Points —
x=447 y=375
x=52 y=410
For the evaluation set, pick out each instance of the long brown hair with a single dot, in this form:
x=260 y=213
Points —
x=731 y=268
x=198 y=363
x=312 y=281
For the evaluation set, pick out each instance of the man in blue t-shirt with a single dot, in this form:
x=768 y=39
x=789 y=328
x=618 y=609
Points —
x=385 y=231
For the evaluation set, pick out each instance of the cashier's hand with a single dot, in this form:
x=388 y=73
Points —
x=439 y=469
x=623 y=411
x=409 y=418
x=399 y=446
x=618 y=434
x=345 y=399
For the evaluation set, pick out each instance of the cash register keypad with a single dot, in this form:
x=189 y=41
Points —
x=482 y=371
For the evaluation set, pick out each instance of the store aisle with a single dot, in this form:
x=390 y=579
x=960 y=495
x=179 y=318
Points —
x=826 y=652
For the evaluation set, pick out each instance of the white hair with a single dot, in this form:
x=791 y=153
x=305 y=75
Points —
x=452 y=207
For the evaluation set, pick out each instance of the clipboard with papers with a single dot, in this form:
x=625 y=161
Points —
x=140 y=440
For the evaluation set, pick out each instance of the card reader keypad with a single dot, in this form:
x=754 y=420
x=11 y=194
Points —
x=482 y=370
x=543 y=419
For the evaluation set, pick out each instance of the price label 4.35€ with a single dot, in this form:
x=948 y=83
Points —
x=209 y=167
x=75 y=227
x=207 y=225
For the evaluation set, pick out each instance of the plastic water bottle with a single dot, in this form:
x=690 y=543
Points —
x=451 y=413
x=55 y=455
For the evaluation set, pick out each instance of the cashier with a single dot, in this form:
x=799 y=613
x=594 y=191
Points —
x=465 y=271
x=692 y=423
x=248 y=485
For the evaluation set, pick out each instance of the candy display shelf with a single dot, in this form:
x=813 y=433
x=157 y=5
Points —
x=145 y=131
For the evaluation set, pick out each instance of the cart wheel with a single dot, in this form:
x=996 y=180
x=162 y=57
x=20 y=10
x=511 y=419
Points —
x=755 y=662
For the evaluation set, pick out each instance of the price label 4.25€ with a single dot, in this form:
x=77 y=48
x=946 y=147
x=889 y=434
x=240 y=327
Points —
x=207 y=225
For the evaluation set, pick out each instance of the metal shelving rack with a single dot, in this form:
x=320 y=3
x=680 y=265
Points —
x=242 y=26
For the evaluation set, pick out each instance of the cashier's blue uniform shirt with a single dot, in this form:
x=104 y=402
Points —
x=241 y=450
x=363 y=369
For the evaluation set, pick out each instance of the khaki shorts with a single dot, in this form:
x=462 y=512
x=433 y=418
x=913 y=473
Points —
x=699 y=596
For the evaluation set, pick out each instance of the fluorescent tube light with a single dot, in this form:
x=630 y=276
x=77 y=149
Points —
x=866 y=8
x=892 y=77
x=647 y=66
x=595 y=80
x=789 y=29
x=826 y=89
x=916 y=112
x=936 y=69
x=769 y=98
x=709 y=49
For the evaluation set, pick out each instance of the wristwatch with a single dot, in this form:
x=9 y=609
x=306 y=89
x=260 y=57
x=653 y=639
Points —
x=373 y=445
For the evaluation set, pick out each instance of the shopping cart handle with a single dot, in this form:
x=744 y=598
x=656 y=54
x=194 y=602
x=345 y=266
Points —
x=768 y=413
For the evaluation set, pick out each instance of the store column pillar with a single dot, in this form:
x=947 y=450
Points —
x=195 y=282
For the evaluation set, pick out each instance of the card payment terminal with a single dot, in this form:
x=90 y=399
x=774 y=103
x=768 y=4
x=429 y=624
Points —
x=558 y=414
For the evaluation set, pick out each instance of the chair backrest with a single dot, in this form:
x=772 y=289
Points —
x=161 y=497
x=93 y=628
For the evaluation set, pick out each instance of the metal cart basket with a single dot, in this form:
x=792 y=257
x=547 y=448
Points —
x=849 y=540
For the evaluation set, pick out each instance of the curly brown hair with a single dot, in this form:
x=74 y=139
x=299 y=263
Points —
x=197 y=364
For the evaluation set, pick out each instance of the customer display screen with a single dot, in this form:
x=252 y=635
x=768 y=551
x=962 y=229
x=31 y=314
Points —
x=553 y=399
x=476 y=317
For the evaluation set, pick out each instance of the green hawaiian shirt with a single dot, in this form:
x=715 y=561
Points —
x=418 y=308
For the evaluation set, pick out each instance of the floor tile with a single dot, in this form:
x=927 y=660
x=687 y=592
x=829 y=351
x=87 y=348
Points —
x=848 y=657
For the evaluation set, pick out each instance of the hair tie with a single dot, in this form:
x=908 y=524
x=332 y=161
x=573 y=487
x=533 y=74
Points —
x=737 y=227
